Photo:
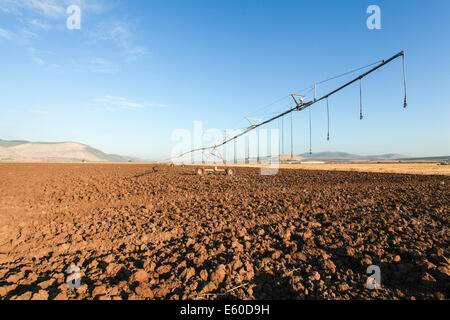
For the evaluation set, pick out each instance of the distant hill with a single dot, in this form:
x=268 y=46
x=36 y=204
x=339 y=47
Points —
x=58 y=151
x=436 y=158
x=6 y=143
x=350 y=156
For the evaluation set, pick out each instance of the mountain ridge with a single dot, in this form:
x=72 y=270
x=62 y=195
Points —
x=23 y=150
x=338 y=155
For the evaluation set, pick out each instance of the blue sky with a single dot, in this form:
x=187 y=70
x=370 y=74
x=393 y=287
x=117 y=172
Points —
x=138 y=70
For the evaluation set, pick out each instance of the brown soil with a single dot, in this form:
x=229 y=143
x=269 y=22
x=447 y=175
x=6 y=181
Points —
x=157 y=232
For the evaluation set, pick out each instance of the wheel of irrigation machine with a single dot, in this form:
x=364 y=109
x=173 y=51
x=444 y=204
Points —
x=200 y=171
x=229 y=171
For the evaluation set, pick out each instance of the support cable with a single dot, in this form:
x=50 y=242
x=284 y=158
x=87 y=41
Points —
x=349 y=72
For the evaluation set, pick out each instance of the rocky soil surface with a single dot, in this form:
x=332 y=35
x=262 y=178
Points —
x=157 y=232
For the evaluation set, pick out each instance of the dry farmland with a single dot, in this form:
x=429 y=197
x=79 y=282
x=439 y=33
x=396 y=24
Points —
x=141 y=231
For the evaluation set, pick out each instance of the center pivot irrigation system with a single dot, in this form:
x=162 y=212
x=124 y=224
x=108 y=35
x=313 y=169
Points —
x=299 y=106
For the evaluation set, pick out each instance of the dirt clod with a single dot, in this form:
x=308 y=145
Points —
x=139 y=276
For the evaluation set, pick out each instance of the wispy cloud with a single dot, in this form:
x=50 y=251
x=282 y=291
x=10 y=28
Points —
x=37 y=17
x=50 y=9
x=120 y=34
x=36 y=55
x=121 y=102
x=100 y=65
x=5 y=34
x=38 y=61
x=33 y=18
x=39 y=24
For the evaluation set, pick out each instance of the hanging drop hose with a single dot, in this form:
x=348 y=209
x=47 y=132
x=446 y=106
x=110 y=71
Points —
x=279 y=139
x=282 y=135
x=328 y=116
x=310 y=133
x=404 y=80
x=360 y=99
x=292 y=139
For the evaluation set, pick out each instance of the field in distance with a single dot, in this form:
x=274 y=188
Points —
x=405 y=168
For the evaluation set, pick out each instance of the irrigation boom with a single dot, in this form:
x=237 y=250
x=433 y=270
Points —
x=300 y=105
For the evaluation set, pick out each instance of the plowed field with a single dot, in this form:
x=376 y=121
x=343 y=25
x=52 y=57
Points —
x=156 y=232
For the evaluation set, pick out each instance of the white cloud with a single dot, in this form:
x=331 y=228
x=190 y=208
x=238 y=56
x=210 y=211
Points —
x=39 y=24
x=47 y=8
x=135 y=52
x=127 y=104
x=38 y=61
x=121 y=36
x=5 y=34
x=121 y=102
x=51 y=9
x=116 y=98
x=26 y=35
x=35 y=17
x=100 y=65
x=9 y=6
